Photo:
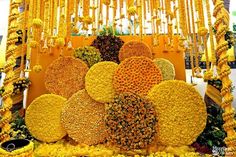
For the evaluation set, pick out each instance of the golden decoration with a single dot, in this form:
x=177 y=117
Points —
x=131 y=122
x=83 y=119
x=98 y=81
x=42 y=118
x=134 y=48
x=221 y=26
x=181 y=112
x=136 y=75
x=166 y=67
x=65 y=76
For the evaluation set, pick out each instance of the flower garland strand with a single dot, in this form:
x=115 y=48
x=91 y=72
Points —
x=213 y=54
x=222 y=25
x=10 y=63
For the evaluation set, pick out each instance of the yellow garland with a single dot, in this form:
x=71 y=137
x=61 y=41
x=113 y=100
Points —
x=221 y=26
x=8 y=69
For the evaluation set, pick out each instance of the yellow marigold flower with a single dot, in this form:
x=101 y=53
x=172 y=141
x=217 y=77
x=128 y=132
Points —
x=42 y=118
x=83 y=119
x=37 y=23
x=134 y=48
x=132 y=10
x=136 y=75
x=60 y=42
x=33 y=44
x=98 y=81
x=167 y=68
x=202 y=31
x=181 y=112
x=65 y=76
x=37 y=68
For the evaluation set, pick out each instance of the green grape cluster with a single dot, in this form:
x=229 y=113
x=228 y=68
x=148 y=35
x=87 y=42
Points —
x=89 y=54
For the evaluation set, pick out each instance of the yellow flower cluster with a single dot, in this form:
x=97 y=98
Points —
x=37 y=68
x=65 y=76
x=181 y=112
x=134 y=48
x=167 y=68
x=43 y=120
x=26 y=151
x=63 y=148
x=83 y=119
x=136 y=75
x=98 y=81
x=132 y=10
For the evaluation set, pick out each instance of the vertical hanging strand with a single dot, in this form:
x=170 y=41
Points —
x=197 y=69
x=190 y=39
x=221 y=26
x=10 y=63
x=69 y=12
x=29 y=32
x=114 y=16
x=213 y=55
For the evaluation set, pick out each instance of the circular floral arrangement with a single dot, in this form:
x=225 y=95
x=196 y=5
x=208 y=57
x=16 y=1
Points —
x=109 y=47
x=167 y=68
x=134 y=48
x=42 y=118
x=181 y=112
x=89 y=54
x=65 y=76
x=98 y=81
x=83 y=119
x=131 y=122
x=136 y=75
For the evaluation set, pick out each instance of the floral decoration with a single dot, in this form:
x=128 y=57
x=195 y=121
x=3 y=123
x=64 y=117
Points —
x=83 y=119
x=109 y=47
x=89 y=54
x=65 y=76
x=131 y=122
x=42 y=118
x=98 y=81
x=134 y=48
x=167 y=68
x=136 y=75
x=181 y=112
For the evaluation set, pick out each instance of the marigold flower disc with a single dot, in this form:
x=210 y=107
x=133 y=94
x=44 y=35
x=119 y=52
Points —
x=134 y=48
x=43 y=117
x=181 y=112
x=65 y=76
x=167 y=68
x=131 y=122
x=83 y=119
x=136 y=75
x=98 y=81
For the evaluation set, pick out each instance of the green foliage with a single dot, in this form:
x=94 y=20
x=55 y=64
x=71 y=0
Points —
x=19 y=129
x=108 y=31
x=89 y=54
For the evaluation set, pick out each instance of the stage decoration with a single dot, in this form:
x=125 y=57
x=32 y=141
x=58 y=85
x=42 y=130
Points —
x=17 y=148
x=89 y=54
x=65 y=76
x=131 y=122
x=181 y=112
x=109 y=47
x=166 y=67
x=43 y=118
x=136 y=75
x=83 y=119
x=99 y=81
x=12 y=37
x=221 y=26
x=134 y=48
